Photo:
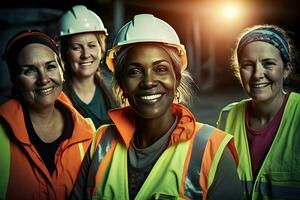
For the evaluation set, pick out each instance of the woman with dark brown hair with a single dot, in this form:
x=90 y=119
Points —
x=43 y=138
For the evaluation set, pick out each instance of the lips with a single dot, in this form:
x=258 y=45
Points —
x=259 y=85
x=153 y=98
x=86 y=63
x=44 y=91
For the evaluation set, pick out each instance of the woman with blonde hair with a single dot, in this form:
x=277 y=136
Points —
x=82 y=38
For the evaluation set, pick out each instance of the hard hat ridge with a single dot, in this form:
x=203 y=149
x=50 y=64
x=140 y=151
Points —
x=80 y=19
x=146 y=28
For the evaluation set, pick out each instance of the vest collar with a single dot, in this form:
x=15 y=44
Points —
x=124 y=119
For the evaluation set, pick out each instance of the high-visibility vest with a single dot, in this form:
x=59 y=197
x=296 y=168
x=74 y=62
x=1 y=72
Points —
x=279 y=175
x=175 y=175
x=5 y=162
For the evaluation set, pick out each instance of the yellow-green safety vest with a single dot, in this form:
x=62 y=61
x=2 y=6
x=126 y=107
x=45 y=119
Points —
x=279 y=175
x=165 y=178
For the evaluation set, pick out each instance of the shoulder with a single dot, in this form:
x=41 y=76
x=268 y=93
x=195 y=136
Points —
x=214 y=138
x=235 y=105
x=294 y=97
x=104 y=132
x=231 y=110
x=216 y=141
x=103 y=138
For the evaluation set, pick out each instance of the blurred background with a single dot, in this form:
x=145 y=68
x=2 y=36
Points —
x=207 y=28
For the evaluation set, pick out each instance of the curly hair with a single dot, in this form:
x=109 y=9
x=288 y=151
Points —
x=289 y=62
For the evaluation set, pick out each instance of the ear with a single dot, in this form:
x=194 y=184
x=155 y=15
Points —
x=287 y=70
x=178 y=80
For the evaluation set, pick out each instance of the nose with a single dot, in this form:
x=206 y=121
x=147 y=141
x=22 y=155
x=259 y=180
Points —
x=149 y=80
x=85 y=53
x=258 y=71
x=43 y=78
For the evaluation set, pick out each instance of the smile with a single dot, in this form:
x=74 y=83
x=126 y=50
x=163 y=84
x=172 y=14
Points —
x=150 y=98
x=86 y=63
x=44 y=91
x=261 y=85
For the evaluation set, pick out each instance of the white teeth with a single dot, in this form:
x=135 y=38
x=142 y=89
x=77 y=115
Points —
x=260 y=85
x=151 y=97
x=86 y=64
x=45 y=91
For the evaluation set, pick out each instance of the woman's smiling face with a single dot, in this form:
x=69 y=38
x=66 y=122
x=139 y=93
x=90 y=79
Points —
x=149 y=80
x=262 y=71
x=40 y=78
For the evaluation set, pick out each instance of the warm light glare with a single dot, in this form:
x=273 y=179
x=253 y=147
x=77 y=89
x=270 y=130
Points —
x=230 y=11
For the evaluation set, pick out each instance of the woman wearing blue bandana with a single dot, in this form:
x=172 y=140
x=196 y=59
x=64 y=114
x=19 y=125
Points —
x=265 y=126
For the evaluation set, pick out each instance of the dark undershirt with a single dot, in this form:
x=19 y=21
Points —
x=47 y=150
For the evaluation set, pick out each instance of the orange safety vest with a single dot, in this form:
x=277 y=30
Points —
x=24 y=174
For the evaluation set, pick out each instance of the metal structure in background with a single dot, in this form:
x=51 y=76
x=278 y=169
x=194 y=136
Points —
x=14 y=20
x=118 y=9
x=204 y=72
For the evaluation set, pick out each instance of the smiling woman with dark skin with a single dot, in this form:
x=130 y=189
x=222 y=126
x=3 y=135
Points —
x=156 y=149
x=265 y=126
x=43 y=138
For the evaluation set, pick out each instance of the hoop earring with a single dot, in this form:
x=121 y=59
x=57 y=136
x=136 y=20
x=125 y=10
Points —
x=123 y=99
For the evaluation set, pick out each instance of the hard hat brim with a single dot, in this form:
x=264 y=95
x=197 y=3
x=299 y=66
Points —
x=112 y=53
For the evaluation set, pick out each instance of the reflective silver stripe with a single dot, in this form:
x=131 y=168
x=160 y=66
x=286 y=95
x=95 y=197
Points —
x=103 y=147
x=192 y=187
x=277 y=192
x=223 y=120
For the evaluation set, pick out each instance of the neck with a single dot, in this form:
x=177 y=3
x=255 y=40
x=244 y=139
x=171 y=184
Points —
x=84 y=88
x=150 y=130
x=83 y=84
x=42 y=116
x=48 y=123
x=264 y=112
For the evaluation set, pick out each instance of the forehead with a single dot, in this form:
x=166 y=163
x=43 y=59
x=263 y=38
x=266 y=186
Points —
x=147 y=53
x=34 y=53
x=83 y=38
x=260 y=49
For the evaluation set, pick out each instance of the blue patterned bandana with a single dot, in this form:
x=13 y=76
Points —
x=269 y=35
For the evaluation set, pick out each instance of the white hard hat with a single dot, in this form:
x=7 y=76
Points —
x=146 y=28
x=80 y=20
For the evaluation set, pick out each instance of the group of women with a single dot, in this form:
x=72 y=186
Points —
x=64 y=136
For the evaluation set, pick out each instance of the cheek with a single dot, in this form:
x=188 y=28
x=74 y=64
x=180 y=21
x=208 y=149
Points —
x=278 y=75
x=170 y=83
x=57 y=77
x=129 y=86
x=73 y=56
x=25 y=84
x=97 y=52
x=245 y=75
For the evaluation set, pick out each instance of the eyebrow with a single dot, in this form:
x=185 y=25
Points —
x=135 y=63
x=160 y=61
x=47 y=63
x=265 y=59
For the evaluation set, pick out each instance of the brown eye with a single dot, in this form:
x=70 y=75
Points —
x=28 y=71
x=161 y=69
x=51 y=67
x=134 y=72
